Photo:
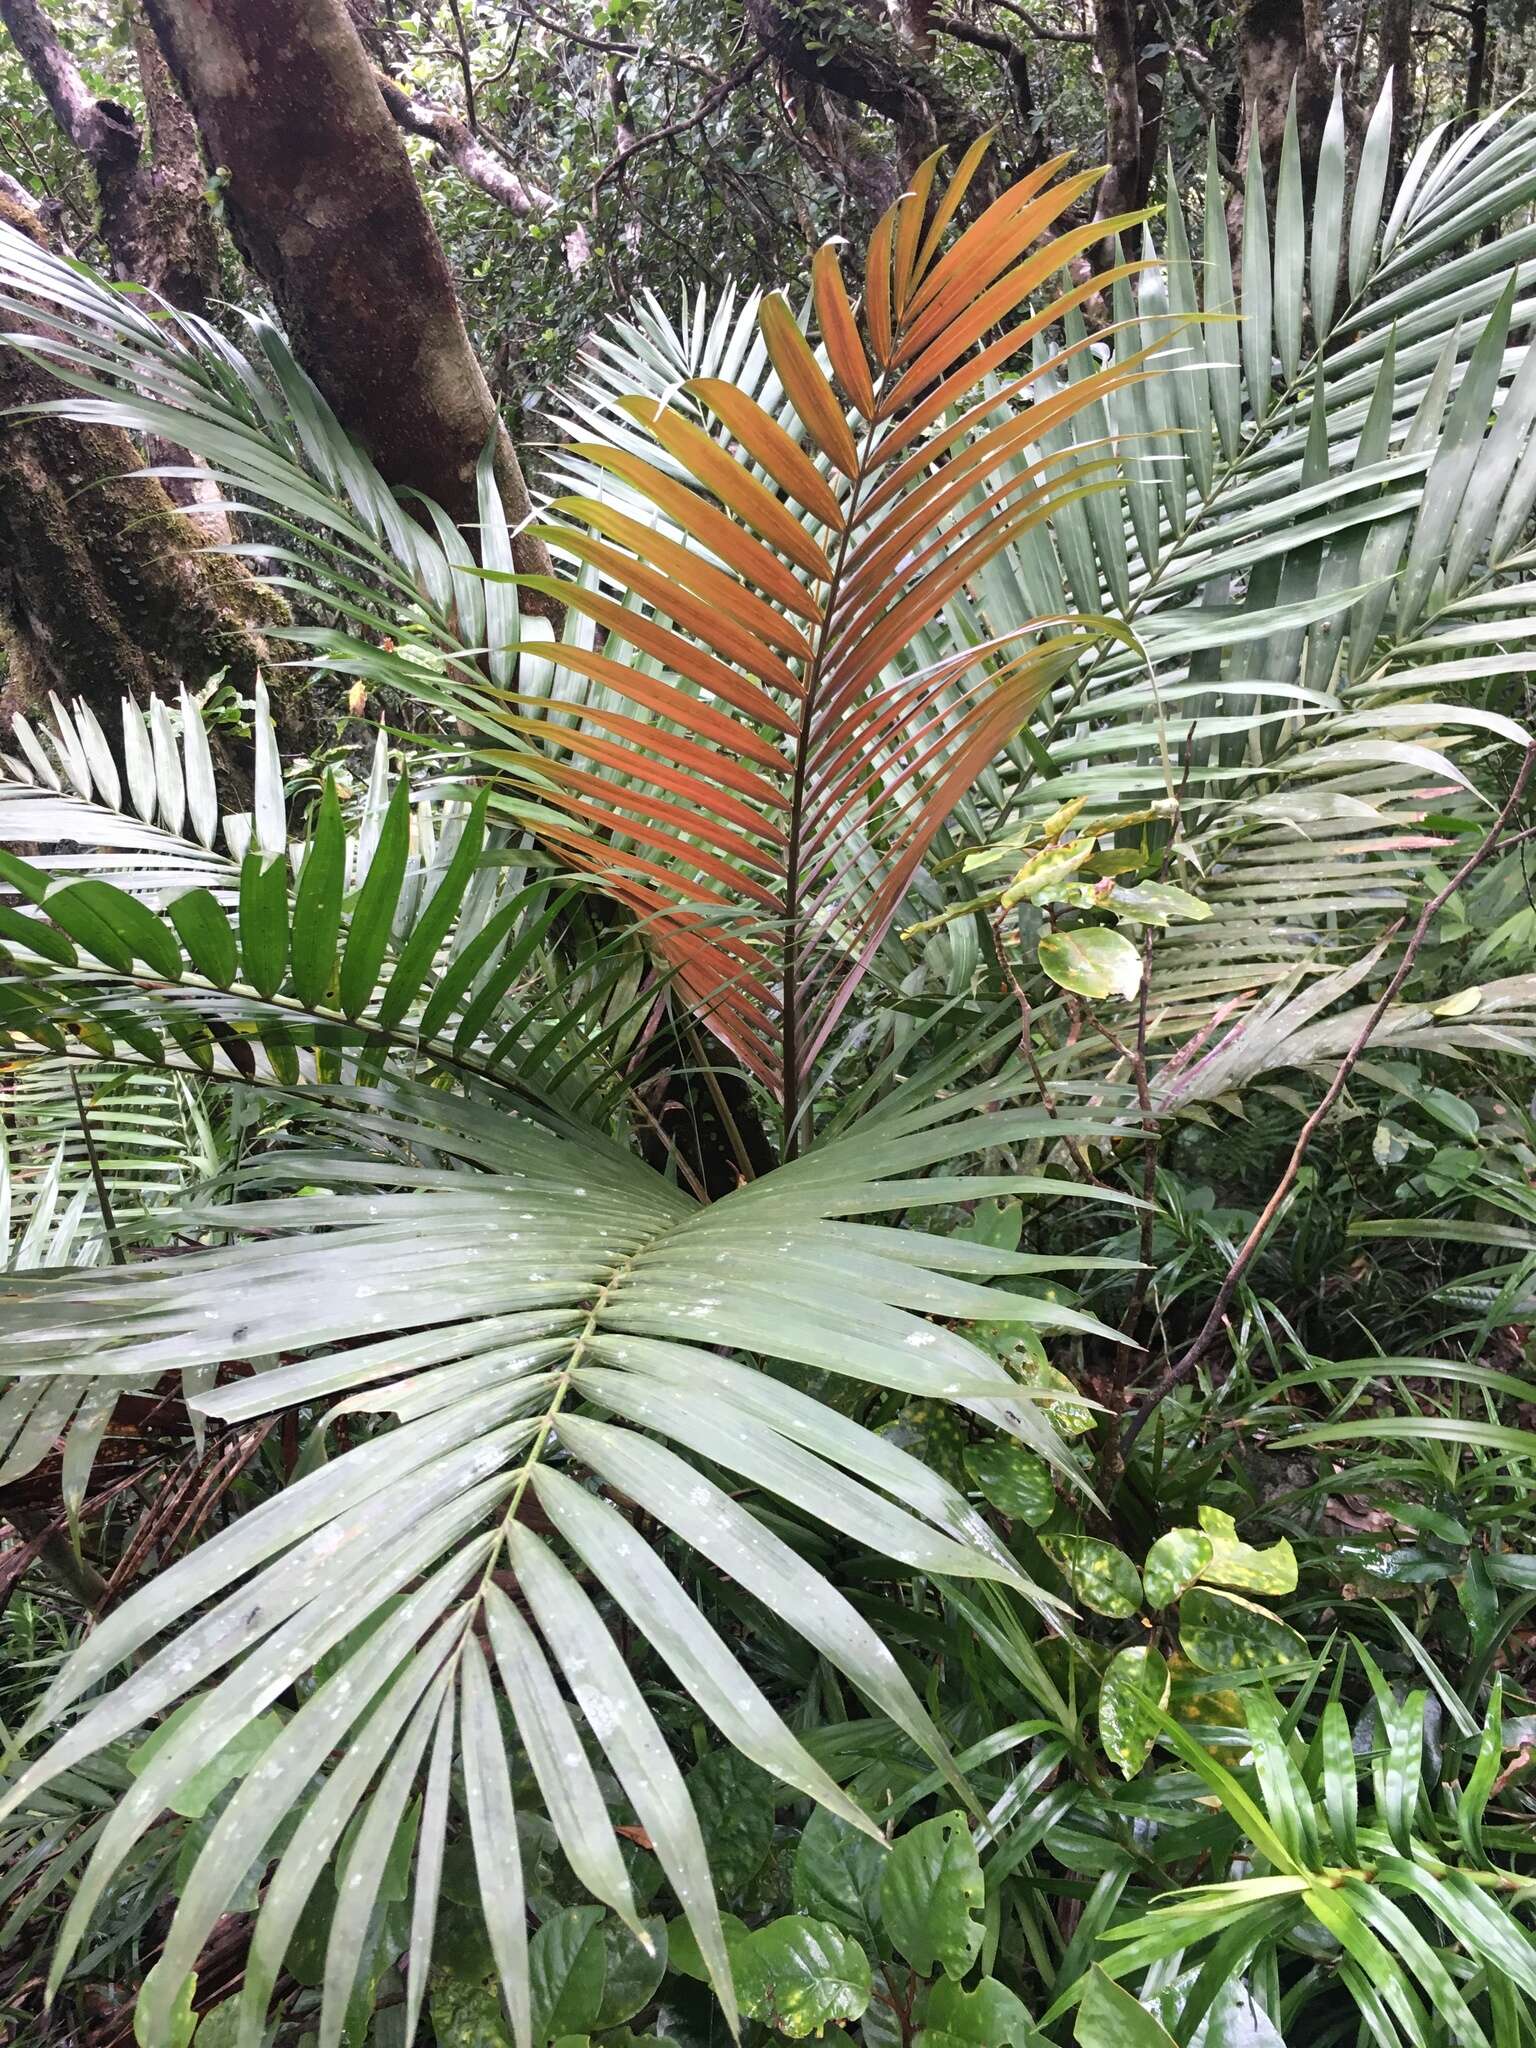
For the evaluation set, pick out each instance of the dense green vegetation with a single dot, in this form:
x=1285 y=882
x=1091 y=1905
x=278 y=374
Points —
x=778 y=1278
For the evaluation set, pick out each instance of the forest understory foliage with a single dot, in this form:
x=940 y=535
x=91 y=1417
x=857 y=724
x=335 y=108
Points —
x=768 y=1215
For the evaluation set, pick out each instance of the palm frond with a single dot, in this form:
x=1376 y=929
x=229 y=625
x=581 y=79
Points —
x=539 y=1313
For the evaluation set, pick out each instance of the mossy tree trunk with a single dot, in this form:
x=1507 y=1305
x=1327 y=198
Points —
x=323 y=204
x=106 y=589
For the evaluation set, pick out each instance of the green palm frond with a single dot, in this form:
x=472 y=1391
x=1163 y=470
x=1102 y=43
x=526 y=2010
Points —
x=1419 y=1916
x=563 y=1317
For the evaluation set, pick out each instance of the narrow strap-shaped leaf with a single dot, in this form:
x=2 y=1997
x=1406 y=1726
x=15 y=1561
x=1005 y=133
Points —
x=501 y=605
x=759 y=566
x=263 y=921
x=359 y=1878
x=769 y=445
x=736 y=488
x=1473 y=1803
x=809 y=392
x=1370 y=188
x=170 y=783
x=572 y=1798
x=671 y=1621
x=430 y=1842
x=615 y=1710
x=1340 y=1793
x=1258 y=284
x=1290 y=246
x=707 y=1518
x=1328 y=215
x=878 y=309
x=373 y=917
x=202 y=790
x=493 y=1833
x=317 y=902
x=839 y=332
x=269 y=811
x=1222 y=343
x=689 y=568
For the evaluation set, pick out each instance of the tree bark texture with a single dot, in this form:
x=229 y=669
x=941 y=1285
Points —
x=154 y=218
x=105 y=589
x=320 y=196
x=1281 y=43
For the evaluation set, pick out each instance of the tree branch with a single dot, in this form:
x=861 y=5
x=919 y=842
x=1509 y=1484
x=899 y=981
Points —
x=469 y=156
x=103 y=132
x=701 y=113
x=1210 y=1330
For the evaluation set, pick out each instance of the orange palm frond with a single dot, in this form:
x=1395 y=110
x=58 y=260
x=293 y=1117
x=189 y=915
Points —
x=744 y=773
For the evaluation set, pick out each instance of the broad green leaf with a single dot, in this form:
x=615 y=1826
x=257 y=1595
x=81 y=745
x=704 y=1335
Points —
x=115 y=926
x=204 y=930
x=567 y=1973
x=931 y=1895
x=1100 y=1575
x=734 y=1801
x=1220 y=1632
x=1109 y=2017
x=466 y=2011
x=263 y=921
x=836 y=1876
x=988 y=2017
x=1173 y=1564
x=1134 y=1677
x=1014 y=1480
x=684 y=1956
x=182 y=2019
x=634 y=1973
x=1092 y=961
x=799 y=1976
x=1237 y=1564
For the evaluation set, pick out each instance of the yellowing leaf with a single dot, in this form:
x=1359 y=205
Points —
x=1173 y=1564
x=1220 y=1632
x=1093 y=962
x=1015 y=1481
x=1238 y=1564
x=1135 y=1678
x=1069 y=1414
x=1044 y=872
x=1101 y=1576
x=1462 y=1004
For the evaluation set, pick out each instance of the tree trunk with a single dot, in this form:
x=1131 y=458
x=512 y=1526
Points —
x=1114 y=53
x=1477 y=55
x=320 y=196
x=1281 y=43
x=1396 y=45
x=105 y=590
x=154 y=219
